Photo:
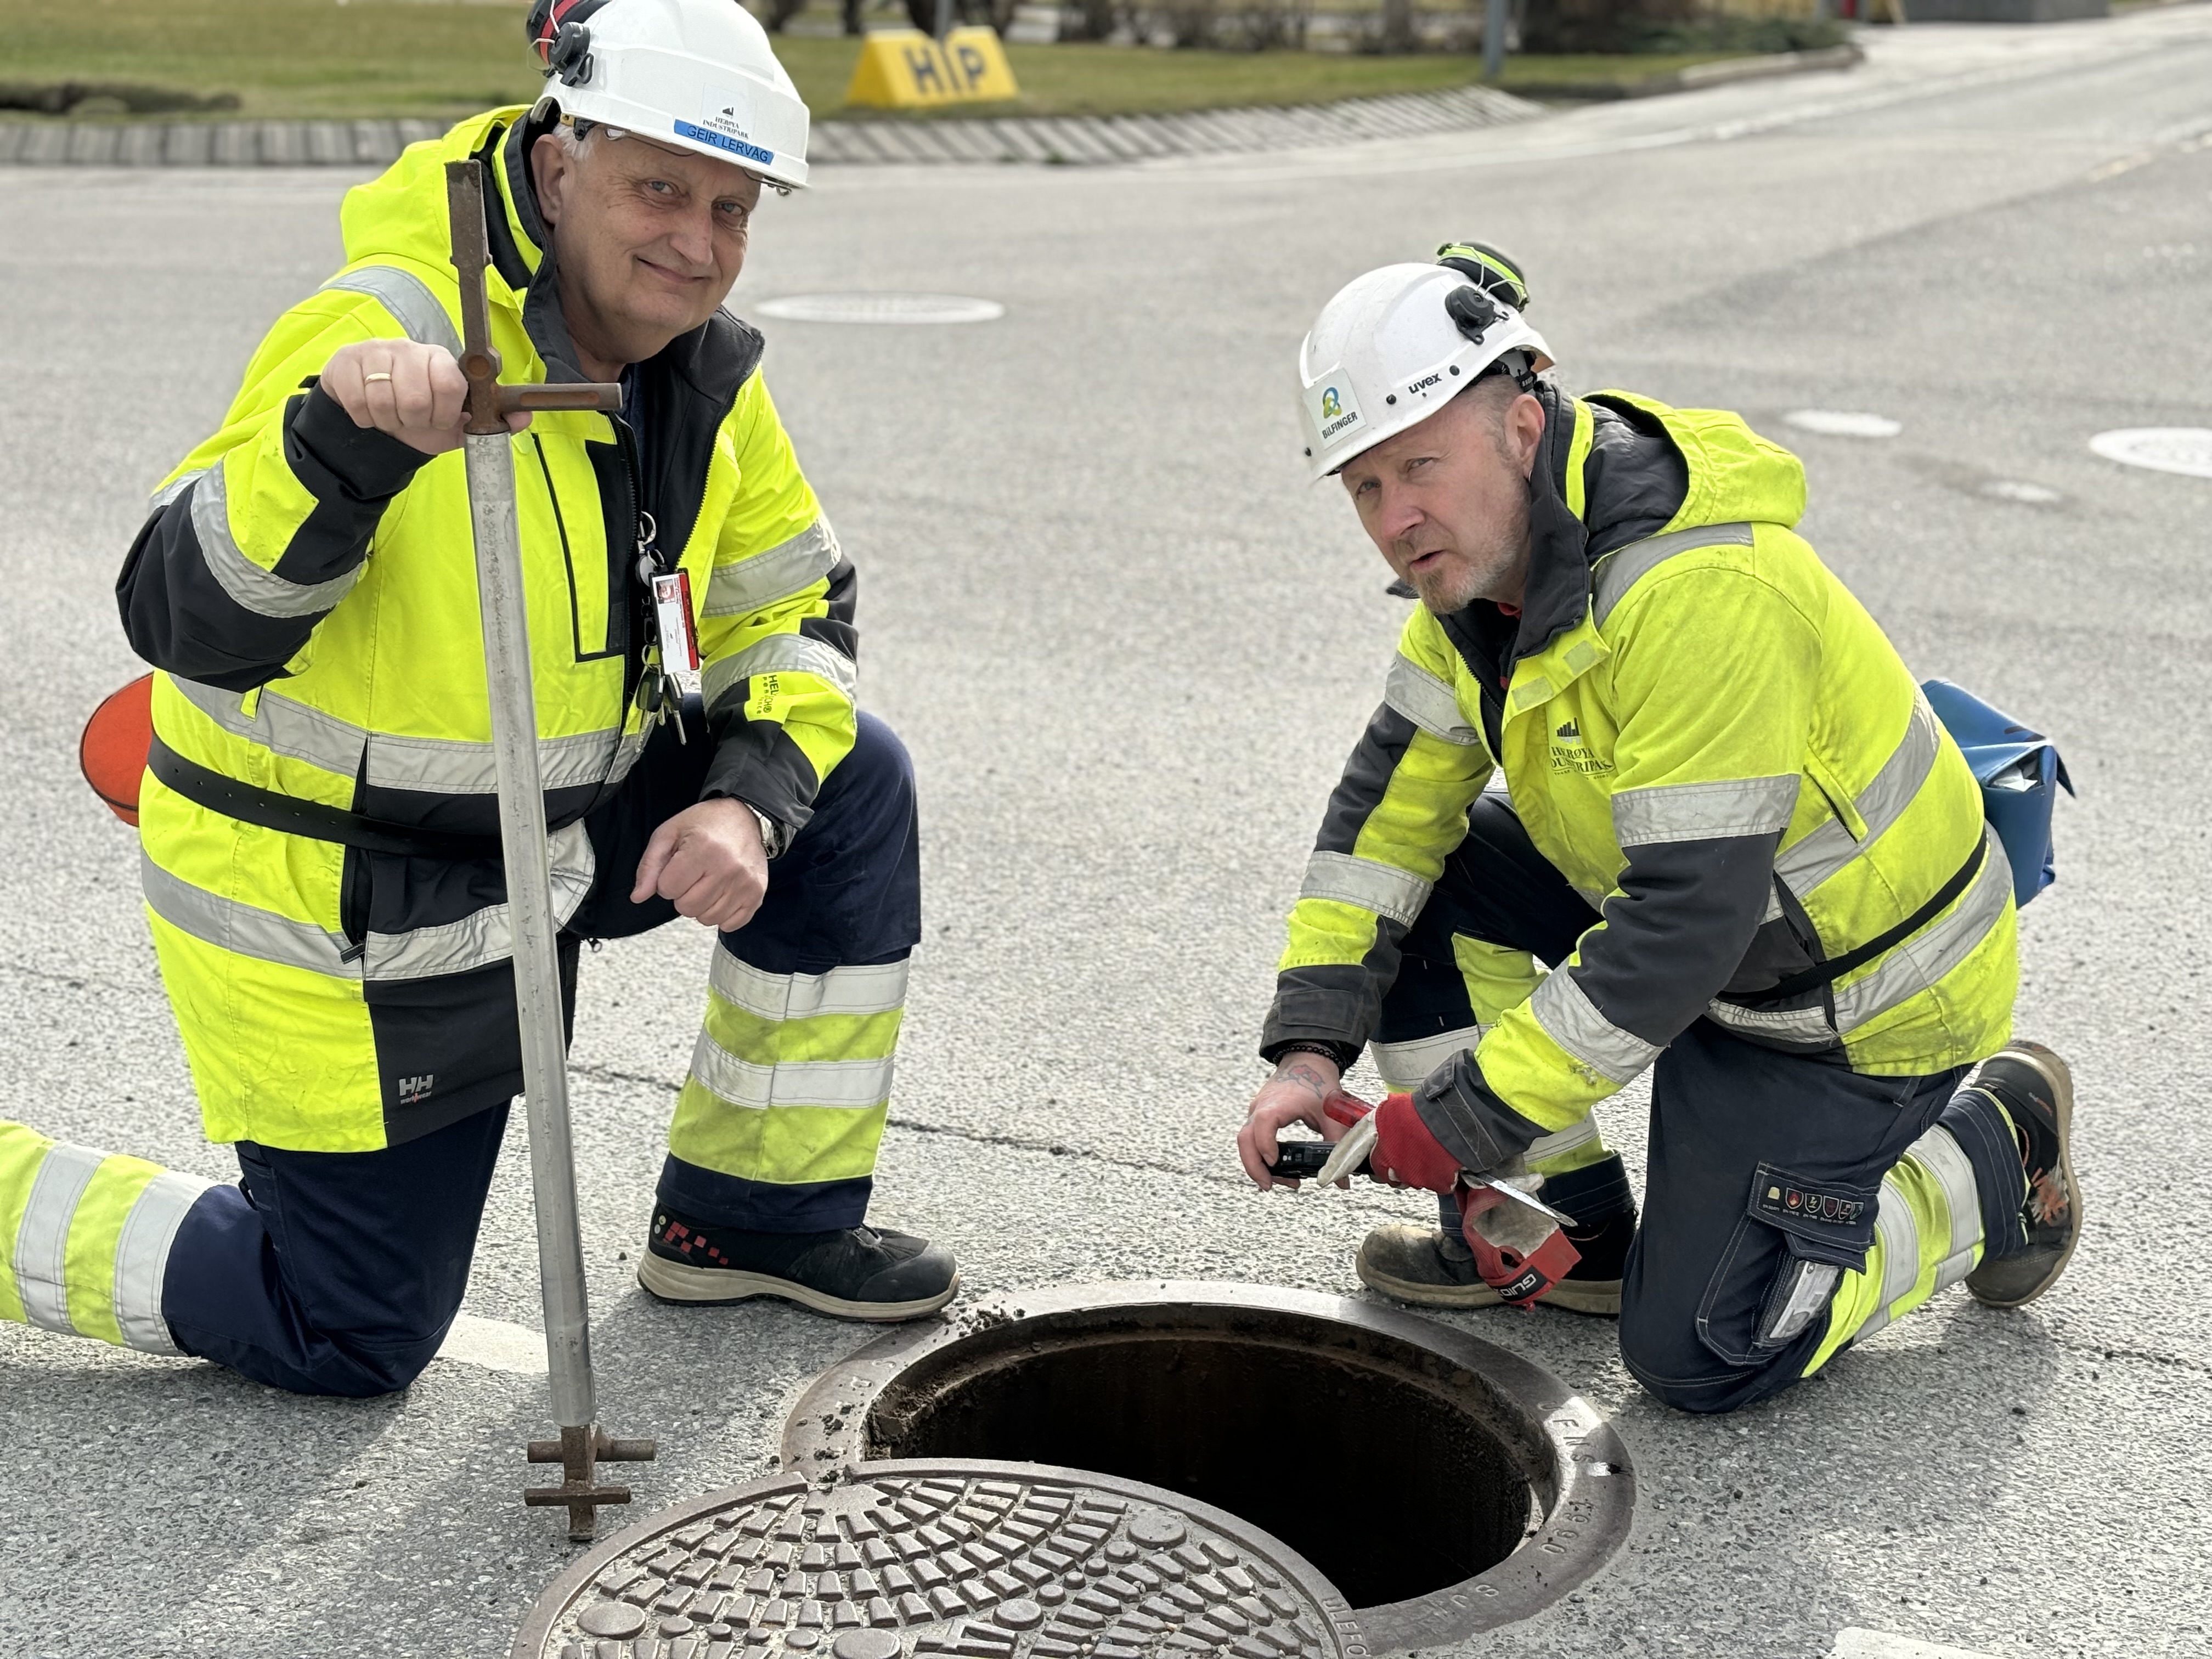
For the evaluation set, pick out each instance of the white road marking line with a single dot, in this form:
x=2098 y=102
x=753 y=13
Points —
x=1877 y=1644
x=497 y=1345
x=2013 y=490
x=1844 y=423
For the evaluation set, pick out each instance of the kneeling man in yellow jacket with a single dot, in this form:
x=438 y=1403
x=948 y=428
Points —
x=1649 y=788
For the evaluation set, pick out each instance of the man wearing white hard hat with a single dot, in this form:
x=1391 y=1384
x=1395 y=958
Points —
x=318 y=817
x=1647 y=789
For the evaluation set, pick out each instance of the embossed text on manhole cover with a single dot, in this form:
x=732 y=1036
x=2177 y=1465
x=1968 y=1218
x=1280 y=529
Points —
x=968 y=1557
x=910 y=308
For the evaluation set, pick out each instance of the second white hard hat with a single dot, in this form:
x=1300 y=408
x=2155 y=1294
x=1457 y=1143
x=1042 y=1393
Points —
x=1395 y=346
x=695 y=74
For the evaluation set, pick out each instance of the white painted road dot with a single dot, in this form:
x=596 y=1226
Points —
x=2012 y=489
x=1879 y=1645
x=1844 y=423
x=495 y=1345
x=2162 y=448
x=896 y=308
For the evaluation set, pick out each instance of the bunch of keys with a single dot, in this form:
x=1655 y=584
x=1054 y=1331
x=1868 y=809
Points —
x=662 y=694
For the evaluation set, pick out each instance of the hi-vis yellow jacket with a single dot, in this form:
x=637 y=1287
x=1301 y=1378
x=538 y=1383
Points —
x=1714 y=743
x=307 y=590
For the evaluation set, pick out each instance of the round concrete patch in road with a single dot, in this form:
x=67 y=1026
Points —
x=2185 y=449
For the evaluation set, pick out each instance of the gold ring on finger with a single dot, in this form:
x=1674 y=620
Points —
x=375 y=377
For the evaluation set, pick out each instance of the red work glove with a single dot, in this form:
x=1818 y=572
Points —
x=1519 y=1254
x=1405 y=1153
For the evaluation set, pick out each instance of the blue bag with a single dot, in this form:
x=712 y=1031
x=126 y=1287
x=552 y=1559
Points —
x=2016 y=769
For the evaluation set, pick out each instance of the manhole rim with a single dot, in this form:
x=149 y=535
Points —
x=1586 y=1523
x=1347 y=1632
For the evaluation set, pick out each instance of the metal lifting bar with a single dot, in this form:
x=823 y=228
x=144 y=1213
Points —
x=490 y=461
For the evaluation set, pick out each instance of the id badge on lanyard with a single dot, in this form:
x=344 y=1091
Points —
x=679 y=639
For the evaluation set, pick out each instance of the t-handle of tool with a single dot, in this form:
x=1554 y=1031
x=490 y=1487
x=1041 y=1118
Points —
x=491 y=403
x=489 y=453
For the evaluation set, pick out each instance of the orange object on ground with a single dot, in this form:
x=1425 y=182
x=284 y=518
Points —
x=112 y=752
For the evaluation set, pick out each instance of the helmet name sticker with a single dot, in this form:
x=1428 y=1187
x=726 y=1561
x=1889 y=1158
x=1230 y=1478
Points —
x=1334 y=407
x=725 y=128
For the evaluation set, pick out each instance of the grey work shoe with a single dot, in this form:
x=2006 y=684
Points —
x=1422 y=1266
x=2036 y=1092
x=856 y=1272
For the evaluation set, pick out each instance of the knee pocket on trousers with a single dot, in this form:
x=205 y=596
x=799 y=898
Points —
x=1782 y=1263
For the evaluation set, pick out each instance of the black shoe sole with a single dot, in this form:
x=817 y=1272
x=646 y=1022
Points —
x=678 y=1281
x=2054 y=1074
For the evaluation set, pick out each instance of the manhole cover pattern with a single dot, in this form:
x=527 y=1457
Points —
x=910 y=308
x=2185 y=449
x=991 y=1567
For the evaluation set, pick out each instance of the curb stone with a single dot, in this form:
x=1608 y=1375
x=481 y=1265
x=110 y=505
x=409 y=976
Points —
x=1070 y=140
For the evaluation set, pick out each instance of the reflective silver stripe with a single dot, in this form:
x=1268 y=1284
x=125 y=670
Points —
x=437 y=766
x=849 y=1084
x=1916 y=965
x=485 y=936
x=245 y=929
x=42 y=1241
x=1703 y=812
x=169 y=491
x=747 y=585
x=1427 y=702
x=877 y=989
x=781 y=653
x=263 y=592
x=1900 y=1238
x=1580 y=1133
x=1571 y=1019
x=1805 y=1026
x=474 y=941
x=1941 y=1157
x=1804 y=865
x=1912 y=968
x=281 y=725
x=142 y=1258
x=407 y=298
x=1368 y=882
x=1408 y=1065
x=1618 y=571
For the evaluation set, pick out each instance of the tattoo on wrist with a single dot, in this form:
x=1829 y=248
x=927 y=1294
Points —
x=1301 y=1070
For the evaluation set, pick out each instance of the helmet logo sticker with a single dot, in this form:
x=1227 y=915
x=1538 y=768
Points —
x=738 y=147
x=1334 y=407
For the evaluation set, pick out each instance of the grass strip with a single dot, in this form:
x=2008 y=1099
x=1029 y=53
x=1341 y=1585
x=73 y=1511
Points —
x=442 y=59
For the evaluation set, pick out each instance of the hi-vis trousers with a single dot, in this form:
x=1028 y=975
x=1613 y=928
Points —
x=1792 y=1205
x=339 y=1272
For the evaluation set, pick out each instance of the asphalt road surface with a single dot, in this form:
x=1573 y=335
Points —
x=1129 y=646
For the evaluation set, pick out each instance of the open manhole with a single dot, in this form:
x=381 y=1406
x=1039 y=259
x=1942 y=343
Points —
x=1442 y=1485
x=966 y=1557
x=908 y=308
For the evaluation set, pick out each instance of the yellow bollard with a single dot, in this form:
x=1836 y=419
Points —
x=905 y=69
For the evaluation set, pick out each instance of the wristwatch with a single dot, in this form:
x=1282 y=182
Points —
x=774 y=835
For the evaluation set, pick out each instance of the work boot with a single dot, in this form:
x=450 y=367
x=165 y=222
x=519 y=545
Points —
x=854 y=1273
x=1432 y=1267
x=2036 y=1092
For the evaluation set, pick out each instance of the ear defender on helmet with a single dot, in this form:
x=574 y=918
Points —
x=1476 y=311
x=1492 y=271
x=557 y=33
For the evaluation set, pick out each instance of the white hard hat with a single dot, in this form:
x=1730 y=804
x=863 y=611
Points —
x=695 y=74
x=1397 y=345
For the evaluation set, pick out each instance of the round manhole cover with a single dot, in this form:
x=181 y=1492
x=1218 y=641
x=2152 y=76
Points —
x=2162 y=448
x=907 y=308
x=960 y=1556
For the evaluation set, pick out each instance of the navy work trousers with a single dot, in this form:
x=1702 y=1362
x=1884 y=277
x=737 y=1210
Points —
x=340 y=1273
x=1703 y=1262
